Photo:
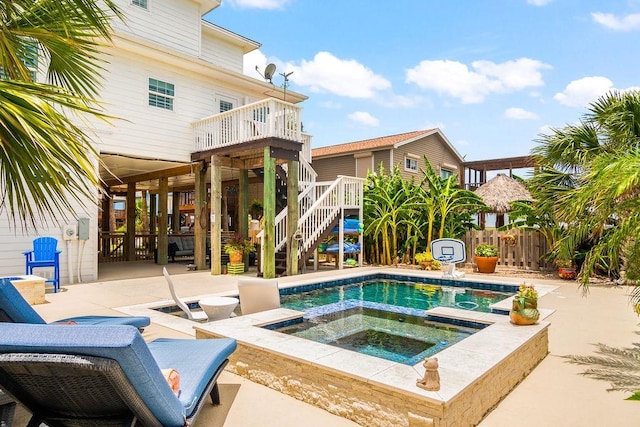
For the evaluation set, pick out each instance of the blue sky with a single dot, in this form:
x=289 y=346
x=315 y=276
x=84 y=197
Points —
x=491 y=74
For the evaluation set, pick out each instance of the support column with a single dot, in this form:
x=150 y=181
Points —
x=216 y=215
x=243 y=210
x=200 y=217
x=163 y=220
x=268 y=261
x=175 y=212
x=153 y=221
x=130 y=244
x=292 y=217
x=105 y=240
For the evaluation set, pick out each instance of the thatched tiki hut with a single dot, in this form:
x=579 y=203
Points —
x=498 y=193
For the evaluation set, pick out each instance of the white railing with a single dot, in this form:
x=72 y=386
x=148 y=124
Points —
x=263 y=119
x=330 y=200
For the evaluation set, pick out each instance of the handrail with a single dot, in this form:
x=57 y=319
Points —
x=262 y=119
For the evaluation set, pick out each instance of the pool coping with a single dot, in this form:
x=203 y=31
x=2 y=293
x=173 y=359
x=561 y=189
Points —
x=479 y=354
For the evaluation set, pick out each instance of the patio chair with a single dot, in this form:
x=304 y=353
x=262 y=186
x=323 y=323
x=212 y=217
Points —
x=258 y=295
x=79 y=375
x=45 y=253
x=191 y=315
x=15 y=309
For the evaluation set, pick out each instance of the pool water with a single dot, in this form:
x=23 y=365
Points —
x=393 y=336
x=419 y=296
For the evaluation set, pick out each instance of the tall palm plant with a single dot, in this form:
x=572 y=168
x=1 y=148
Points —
x=601 y=158
x=47 y=162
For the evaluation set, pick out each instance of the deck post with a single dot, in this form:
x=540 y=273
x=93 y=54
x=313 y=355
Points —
x=292 y=217
x=200 y=217
x=163 y=221
x=216 y=215
x=243 y=209
x=130 y=244
x=175 y=212
x=268 y=261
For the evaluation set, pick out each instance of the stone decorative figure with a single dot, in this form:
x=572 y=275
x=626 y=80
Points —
x=431 y=379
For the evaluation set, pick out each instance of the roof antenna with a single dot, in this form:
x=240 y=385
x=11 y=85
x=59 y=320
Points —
x=285 y=85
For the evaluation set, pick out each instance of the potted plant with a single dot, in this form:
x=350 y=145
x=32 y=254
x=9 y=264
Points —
x=425 y=259
x=524 y=309
x=236 y=247
x=566 y=269
x=486 y=257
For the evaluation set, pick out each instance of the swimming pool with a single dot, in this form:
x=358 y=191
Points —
x=406 y=292
x=367 y=329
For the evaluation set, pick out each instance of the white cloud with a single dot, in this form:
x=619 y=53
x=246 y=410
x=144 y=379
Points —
x=344 y=77
x=539 y=2
x=259 y=4
x=626 y=23
x=473 y=85
x=581 y=92
x=364 y=118
x=519 y=114
x=252 y=60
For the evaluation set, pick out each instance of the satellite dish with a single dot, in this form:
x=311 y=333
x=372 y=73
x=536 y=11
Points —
x=269 y=71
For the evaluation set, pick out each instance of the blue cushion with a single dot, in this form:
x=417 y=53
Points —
x=15 y=306
x=18 y=310
x=195 y=360
x=138 y=322
x=123 y=344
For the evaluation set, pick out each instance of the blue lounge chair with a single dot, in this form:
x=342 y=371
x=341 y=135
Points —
x=78 y=375
x=15 y=309
x=45 y=253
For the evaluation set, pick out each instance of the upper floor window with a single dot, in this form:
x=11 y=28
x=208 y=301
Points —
x=445 y=173
x=141 y=3
x=410 y=164
x=225 y=106
x=28 y=55
x=161 y=94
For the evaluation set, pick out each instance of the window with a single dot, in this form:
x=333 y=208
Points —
x=410 y=164
x=161 y=94
x=445 y=173
x=141 y=3
x=28 y=54
x=225 y=106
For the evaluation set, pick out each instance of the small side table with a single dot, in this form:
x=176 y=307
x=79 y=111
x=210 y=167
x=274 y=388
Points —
x=218 y=308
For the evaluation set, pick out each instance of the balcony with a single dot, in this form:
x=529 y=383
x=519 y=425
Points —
x=262 y=120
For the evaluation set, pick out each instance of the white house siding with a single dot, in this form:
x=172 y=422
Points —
x=171 y=23
x=148 y=131
x=221 y=53
x=14 y=240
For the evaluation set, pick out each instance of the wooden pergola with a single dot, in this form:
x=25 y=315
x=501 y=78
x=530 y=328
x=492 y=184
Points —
x=474 y=173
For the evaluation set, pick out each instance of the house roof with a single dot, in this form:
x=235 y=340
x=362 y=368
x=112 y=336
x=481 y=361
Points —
x=383 y=142
x=500 y=191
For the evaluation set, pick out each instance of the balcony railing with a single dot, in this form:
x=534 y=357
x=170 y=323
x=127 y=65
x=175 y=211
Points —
x=270 y=118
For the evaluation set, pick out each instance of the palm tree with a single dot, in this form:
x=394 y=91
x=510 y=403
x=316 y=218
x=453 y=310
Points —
x=47 y=162
x=598 y=162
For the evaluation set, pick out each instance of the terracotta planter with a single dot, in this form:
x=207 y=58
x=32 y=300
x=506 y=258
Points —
x=426 y=265
x=486 y=264
x=235 y=257
x=528 y=316
x=567 y=273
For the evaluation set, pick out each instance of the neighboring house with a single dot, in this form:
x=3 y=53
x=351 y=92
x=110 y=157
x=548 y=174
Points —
x=407 y=150
x=176 y=84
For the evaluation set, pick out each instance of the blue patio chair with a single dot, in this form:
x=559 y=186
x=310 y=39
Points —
x=15 y=309
x=80 y=375
x=45 y=253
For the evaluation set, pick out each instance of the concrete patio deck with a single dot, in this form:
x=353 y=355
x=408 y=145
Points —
x=554 y=394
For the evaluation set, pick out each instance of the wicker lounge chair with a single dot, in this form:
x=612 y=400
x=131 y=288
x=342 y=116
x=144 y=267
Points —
x=78 y=375
x=15 y=309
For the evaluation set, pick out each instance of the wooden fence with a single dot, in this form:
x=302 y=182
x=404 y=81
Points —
x=529 y=247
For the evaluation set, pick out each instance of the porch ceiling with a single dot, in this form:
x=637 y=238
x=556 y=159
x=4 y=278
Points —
x=117 y=171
